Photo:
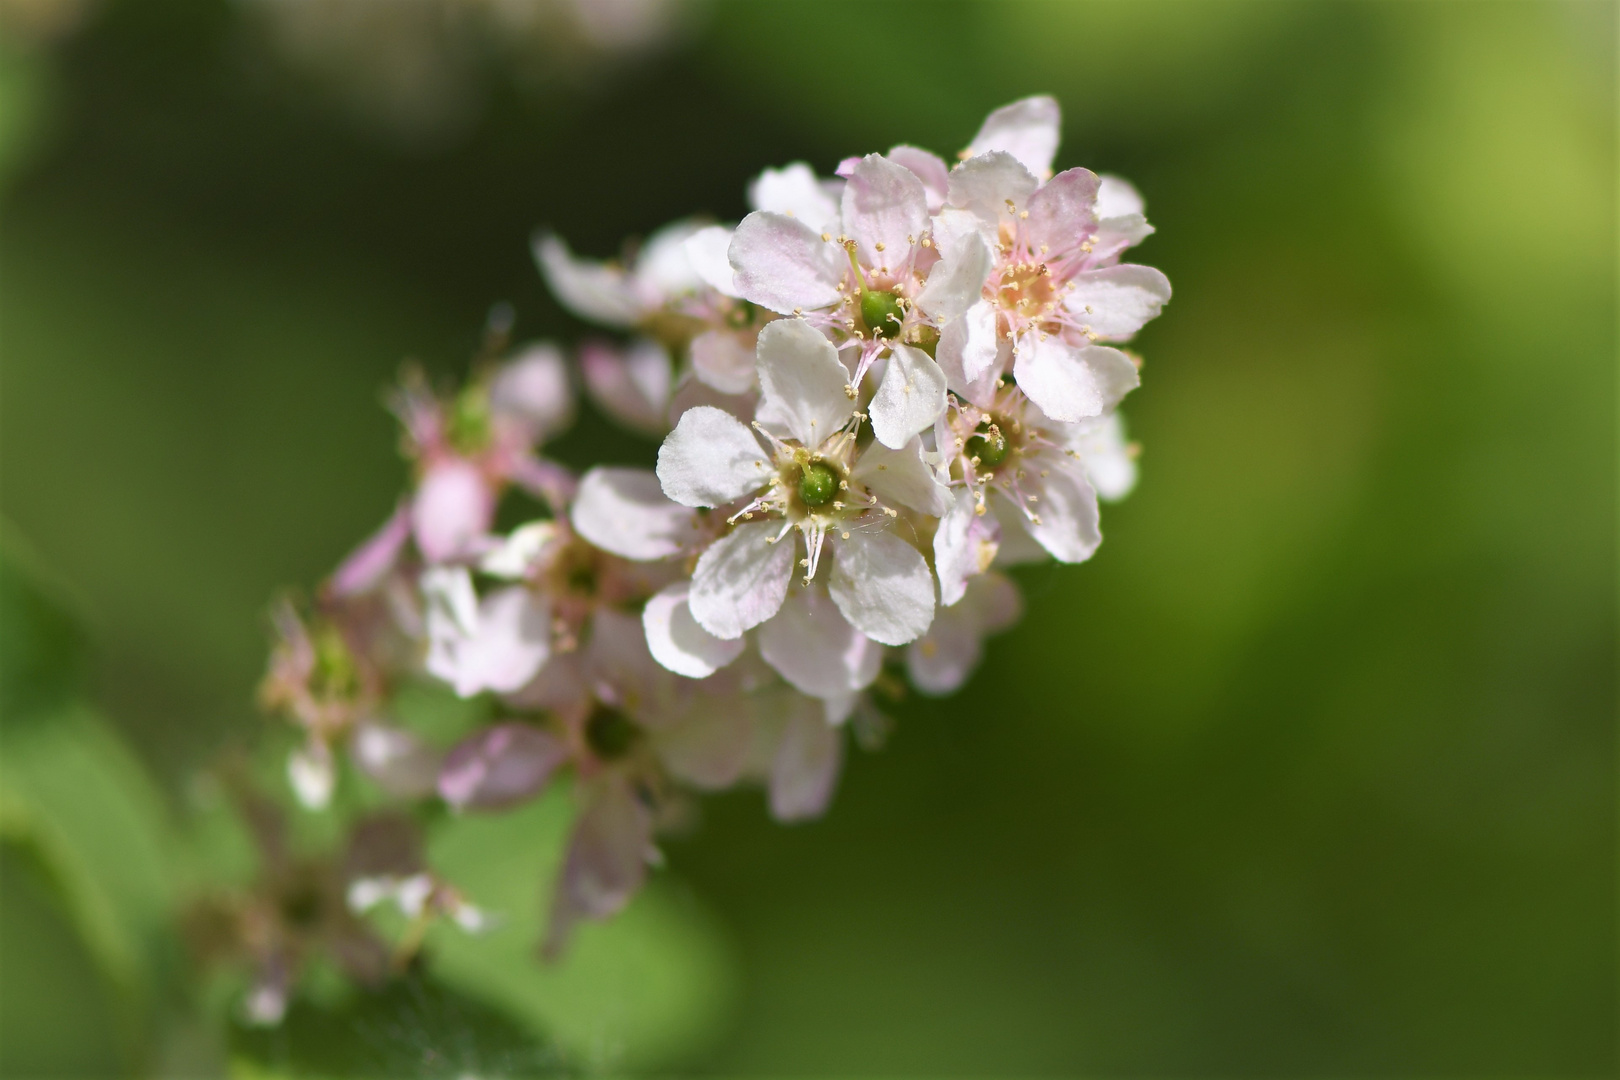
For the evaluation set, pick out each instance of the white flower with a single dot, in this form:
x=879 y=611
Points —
x=815 y=480
x=941 y=660
x=497 y=643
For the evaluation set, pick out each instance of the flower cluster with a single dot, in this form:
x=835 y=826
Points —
x=874 y=393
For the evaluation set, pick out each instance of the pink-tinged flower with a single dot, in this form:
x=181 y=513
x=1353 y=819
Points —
x=815 y=480
x=802 y=754
x=494 y=643
x=1051 y=293
x=607 y=858
x=1029 y=130
x=941 y=660
x=1109 y=458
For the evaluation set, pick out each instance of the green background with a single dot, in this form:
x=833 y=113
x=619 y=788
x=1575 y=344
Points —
x=1309 y=771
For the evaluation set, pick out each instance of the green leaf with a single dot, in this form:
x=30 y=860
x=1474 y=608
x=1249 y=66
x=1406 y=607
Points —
x=635 y=992
x=42 y=651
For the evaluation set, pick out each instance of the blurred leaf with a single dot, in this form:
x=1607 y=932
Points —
x=638 y=991
x=413 y=1027
x=41 y=649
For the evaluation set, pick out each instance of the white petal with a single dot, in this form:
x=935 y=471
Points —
x=1028 y=130
x=606 y=861
x=941 y=660
x=1115 y=234
x=511 y=641
x=971 y=354
x=885 y=211
x=500 y=766
x=663 y=268
x=678 y=642
x=882 y=585
x=957 y=280
x=1116 y=198
x=1015 y=546
x=515 y=556
x=794 y=190
x=400 y=762
x=709 y=747
x=1116 y=301
x=1060 y=213
x=783 y=264
x=454 y=506
x=533 y=390
x=724 y=360
x=707 y=250
x=910 y=398
x=592 y=290
x=1109 y=458
x=693 y=392
x=625 y=511
x=985 y=185
x=902 y=476
x=813 y=647
x=624 y=671
x=370 y=563
x=1072 y=382
x=805 y=769
x=930 y=169
x=1065 y=509
x=632 y=385
x=448 y=594
x=742 y=579
x=801 y=381
x=711 y=459
x=312 y=775
x=965 y=544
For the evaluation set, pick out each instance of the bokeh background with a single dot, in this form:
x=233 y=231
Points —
x=1310 y=771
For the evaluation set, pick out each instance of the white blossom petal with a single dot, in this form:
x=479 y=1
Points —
x=804 y=772
x=1072 y=382
x=965 y=545
x=399 y=761
x=783 y=264
x=1015 y=546
x=957 y=281
x=663 y=269
x=795 y=191
x=941 y=660
x=910 y=397
x=883 y=587
x=1116 y=301
x=711 y=459
x=693 y=392
x=802 y=381
x=592 y=290
x=454 y=507
x=902 y=476
x=723 y=360
x=1028 y=130
x=972 y=355
x=1109 y=458
x=1117 y=198
x=632 y=385
x=533 y=390
x=514 y=557
x=500 y=766
x=1066 y=519
x=742 y=579
x=625 y=511
x=624 y=672
x=885 y=211
x=813 y=647
x=451 y=601
x=707 y=250
x=1060 y=213
x=606 y=861
x=930 y=169
x=677 y=641
x=311 y=773
x=709 y=747
x=985 y=185
x=511 y=641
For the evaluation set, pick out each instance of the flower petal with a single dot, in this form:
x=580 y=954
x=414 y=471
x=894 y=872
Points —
x=885 y=211
x=1072 y=382
x=709 y=747
x=783 y=264
x=1116 y=197
x=883 y=587
x=514 y=557
x=678 y=642
x=707 y=251
x=795 y=191
x=901 y=476
x=910 y=398
x=802 y=381
x=710 y=459
x=965 y=544
x=1065 y=522
x=985 y=185
x=533 y=391
x=1116 y=301
x=813 y=647
x=606 y=861
x=399 y=761
x=742 y=579
x=1028 y=130
x=454 y=506
x=625 y=511
x=972 y=355
x=510 y=642
x=1015 y=546
x=805 y=768
x=631 y=385
x=592 y=290
x=369 y=563
x=312 y=775
x=940 y=661
x=930 y=169
x=1110 y=459
x=723 y=360
x=1061 y=217
x=500 y=766
x=957 y=281
x=663 y=269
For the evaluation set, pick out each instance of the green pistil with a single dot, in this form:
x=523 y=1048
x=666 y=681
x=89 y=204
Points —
x=335 y=674
x=881 y=312
x=468 y=425
x=818 y=484
x=989 y=446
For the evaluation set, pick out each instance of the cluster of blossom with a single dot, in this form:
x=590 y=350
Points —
x=874 y=393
